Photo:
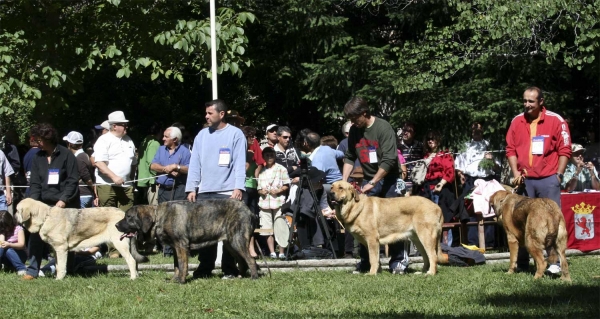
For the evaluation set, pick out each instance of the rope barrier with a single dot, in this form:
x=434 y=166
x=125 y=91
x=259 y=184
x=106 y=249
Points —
x=111 y=184
x=248 y=178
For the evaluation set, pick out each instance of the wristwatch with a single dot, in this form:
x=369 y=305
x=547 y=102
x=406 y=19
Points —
x=371 y=183
x=178 y=168
x=560 y=176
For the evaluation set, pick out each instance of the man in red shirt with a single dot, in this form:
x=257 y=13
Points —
x=538 y=148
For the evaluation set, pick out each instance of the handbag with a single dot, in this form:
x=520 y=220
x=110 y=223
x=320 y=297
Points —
x=419 y=171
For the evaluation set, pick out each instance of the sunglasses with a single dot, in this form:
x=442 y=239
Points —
x=272 y=131
x=431 y=138
x=285 y=137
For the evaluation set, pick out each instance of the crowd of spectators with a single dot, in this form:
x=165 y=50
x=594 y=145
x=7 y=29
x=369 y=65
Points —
x=263 y=170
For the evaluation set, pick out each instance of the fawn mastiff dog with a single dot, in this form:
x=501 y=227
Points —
x=70 y=229
x=374 y=221
x=533 y=223
x=187 y=226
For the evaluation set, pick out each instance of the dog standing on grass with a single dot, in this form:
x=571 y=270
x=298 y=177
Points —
x=187 y=226
x=375 y=221
x=70 y=229
x=536 y=224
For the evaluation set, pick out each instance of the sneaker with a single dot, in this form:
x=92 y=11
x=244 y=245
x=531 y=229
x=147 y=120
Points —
x=281 y=256
x=273 y=255
x=97 y=255
x=228 y=277
x=21 y=272
x=398 y=269
x=554 y=269
x=41 y=274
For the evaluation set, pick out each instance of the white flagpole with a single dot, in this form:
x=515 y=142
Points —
x=213 y=49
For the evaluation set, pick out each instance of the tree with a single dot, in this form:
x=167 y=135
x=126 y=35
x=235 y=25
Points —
x=447 y=63
x=49 y=49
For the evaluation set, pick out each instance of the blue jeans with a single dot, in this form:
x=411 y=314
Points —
x=3 y=205
x=15 y=257
x=385 y=188
x=86 y=201
x=435 y=197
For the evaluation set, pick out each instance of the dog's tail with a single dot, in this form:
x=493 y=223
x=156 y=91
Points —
x=139 y=258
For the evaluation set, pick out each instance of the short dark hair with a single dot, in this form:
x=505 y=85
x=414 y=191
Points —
x=7 y=224
x=313 y=140
x=477 y=125
x=268 y=150
x=356 y=106
x=220 y=105
x=44 y=131
x=409 y=124
x=540 y=94
x=248 y=131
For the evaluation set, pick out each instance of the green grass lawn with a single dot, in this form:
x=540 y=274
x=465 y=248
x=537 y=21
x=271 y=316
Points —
x=476 y=292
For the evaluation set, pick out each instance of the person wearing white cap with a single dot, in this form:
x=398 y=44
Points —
x=114 y=154
x=579 y=175
x=87 y=190
x=105 y=127
x=271 y=138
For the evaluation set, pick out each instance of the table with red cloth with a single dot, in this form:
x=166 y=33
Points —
x=582 y=217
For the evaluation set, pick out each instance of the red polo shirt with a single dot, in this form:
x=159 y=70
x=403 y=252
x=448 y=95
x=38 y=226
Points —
x=557 y=142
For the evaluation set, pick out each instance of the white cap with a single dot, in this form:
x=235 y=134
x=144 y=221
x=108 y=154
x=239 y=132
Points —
x=577 y=148
x=74 y=138
x=117 y=117
x=271 y=126
x=104 y=125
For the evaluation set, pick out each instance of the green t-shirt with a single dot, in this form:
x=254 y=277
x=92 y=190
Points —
x=149 y=147
x=380 y=138
x=251 y=182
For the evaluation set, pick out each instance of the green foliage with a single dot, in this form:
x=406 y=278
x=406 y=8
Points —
x=49 y=48
x=444 y=64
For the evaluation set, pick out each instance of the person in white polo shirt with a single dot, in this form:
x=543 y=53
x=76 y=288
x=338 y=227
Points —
x=114 y=153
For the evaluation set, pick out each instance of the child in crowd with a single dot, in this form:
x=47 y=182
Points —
x=273 y=184
x=12 y=243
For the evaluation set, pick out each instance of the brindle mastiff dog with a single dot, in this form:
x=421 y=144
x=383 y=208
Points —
x=533 y=223
x=187 y=226
x=374 y=221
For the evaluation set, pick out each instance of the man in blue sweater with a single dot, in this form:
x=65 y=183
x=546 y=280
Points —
x=324 y=158
x=217 y=170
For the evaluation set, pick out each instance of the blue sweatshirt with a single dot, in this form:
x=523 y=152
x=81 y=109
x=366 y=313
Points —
x=204 y=170
x=324 y=158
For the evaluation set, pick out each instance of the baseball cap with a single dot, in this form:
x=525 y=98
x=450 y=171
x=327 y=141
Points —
x=272 y=127
x=74 y=138
x=103 y=126
x=577 y=148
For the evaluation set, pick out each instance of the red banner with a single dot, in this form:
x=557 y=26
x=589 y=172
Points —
x=582 y=216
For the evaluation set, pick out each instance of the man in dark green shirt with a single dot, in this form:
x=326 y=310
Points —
x=372 y=141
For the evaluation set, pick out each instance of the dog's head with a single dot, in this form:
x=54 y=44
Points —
x=139 y=218
x=343 y=192
x=32 y=214
x=497 y=201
